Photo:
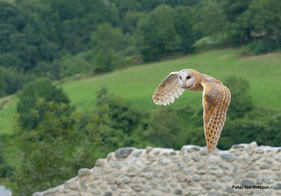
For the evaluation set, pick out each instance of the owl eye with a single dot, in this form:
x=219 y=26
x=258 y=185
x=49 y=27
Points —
x=180 y=78
x=188 y=77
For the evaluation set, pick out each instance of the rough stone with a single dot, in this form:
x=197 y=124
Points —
x=107 y=194
x=84 y=172
x=251 y=147
x=267 y=180
x=178 y=192
x=223 y=166
x=204 y=151
x=164 y=161
x=227 y=157
x=196 y=157
x=190 y=171
x=126 y=180
x=137 y=153
x=264 y=166
x=252 y=174
x=213 y=193
x=238 y=146
x=196 y=178
x=123 y=152
x=100 y=163
x=247 y=183
x=277 y=186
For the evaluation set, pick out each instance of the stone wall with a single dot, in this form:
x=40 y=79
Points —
x=245 y=169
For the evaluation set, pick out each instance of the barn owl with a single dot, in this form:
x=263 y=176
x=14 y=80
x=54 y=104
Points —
x=216 y=98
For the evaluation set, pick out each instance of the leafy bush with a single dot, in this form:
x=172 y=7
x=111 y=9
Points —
x=261 y=46
x=31 y=106
x=241 y=100
x=10 y=81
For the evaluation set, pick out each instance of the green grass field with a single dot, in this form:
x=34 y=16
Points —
x=137 y=83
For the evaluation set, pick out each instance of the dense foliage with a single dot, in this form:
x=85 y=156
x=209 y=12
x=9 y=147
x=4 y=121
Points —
x=60 y=38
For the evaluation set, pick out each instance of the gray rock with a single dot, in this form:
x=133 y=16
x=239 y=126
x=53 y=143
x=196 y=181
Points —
x=218 y=173
x=123 y=152
x=204 y=151
x=213 y=193
x=278 y=159
x=137 y=153
x=183 y=185
x=277 y=186
x=217 y=186
x=251 y=147
x=238 y=146
x=278 y=175
x=228 y=189
x=70 y=184
x=84 y=172
x=226 y=178
x=187 y=171
x=267 y=180
x=191 y=148
x=166 y=190
x=148 y=149
x=178 y=192
x=259 y=180
x=96 y=192
x=173 y=185
x=164 y=161
x=255 y=157
x=238 y=153
x=126 y=180
x=213 y=159
x=252 y=174
x=100 y=163
x=207 y=185
x=196 y=178
x=6 y=192
x=223 y=166
x=247 y=183
x=259 y=150
x=227 y=156
x=196 y=157
x=185 y=159
x=115 y=164
x=137 y=188
x=107 y=193
x=264 y=166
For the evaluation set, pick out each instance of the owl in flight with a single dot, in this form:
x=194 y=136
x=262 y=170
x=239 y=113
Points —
x=216 y=98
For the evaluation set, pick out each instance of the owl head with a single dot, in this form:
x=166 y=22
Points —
x=186 y=79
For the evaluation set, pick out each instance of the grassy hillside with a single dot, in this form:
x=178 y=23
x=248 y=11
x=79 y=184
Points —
x=139 y=82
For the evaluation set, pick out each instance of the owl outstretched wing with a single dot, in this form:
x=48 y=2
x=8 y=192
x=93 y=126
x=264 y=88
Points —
x=168 y=90
x=216 y=99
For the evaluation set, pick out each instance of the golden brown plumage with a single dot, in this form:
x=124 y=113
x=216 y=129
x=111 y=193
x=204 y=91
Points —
x=216 y=99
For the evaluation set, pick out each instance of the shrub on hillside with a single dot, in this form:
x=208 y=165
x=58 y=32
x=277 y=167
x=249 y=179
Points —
x=31 y=106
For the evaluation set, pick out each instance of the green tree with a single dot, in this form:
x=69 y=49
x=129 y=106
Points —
x=125 y=120
x=156 y=34
x=31 y=107
x=108 y=44
x=260 y=125
x=46 y=151
x=184 y=22
x=130 y=21
x=241 y=100
x=10 y=81
x=213 y=19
